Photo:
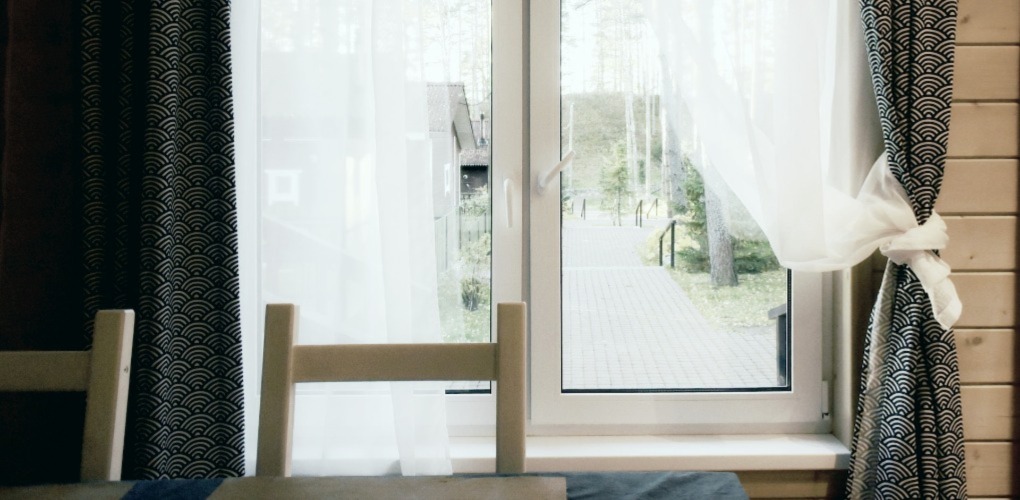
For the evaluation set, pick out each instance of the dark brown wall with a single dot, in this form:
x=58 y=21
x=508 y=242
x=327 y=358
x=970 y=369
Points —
x=39 y=242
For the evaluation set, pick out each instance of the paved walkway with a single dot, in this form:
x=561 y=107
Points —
x=630 y=326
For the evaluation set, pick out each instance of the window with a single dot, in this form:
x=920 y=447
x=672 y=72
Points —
x=563 y=399
x=490 y=126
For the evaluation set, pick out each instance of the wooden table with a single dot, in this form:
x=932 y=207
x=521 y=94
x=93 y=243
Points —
x=588 y=485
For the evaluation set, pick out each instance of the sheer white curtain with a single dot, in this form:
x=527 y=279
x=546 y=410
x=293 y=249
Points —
x=775 y=101
x=335 y=196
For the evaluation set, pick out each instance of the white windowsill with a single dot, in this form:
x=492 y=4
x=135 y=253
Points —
x=635 y=453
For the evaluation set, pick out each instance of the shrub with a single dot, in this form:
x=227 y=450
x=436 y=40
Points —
x=475 y=258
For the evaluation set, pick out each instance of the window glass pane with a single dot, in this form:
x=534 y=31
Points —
x=667 y=283
x=375 y=167
x=457 y=56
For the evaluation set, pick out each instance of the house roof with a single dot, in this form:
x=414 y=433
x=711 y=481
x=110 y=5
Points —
x=477 y=157
x=448 y=109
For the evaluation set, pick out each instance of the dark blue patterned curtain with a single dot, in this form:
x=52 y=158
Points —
x=908 y=436
x=160 y=232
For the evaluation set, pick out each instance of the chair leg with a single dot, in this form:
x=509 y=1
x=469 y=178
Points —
x=511 y=398
x=276 y=411
x=107 y=396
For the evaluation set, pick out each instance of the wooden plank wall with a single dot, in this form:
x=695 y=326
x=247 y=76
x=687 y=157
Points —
x=979 y=204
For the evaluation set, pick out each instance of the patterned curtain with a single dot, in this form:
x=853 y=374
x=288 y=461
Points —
x=160 y=224
x=908 y=436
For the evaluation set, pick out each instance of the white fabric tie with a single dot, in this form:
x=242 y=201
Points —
x=915 y=249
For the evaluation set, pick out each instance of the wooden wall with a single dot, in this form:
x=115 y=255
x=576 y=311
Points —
x=979 y=204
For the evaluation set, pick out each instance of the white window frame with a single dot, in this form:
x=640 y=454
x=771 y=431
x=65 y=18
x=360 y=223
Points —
x=526 y=266
x=799 y=410
x=475 y=414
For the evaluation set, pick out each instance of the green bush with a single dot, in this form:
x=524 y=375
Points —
x=693 y=259
x=754 y=257
x=476 y=202
x=459 y=323
x=475 y=258
x=473 y=292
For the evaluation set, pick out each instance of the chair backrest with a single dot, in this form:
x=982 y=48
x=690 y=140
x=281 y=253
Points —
x=102 y=373
x=285 y=364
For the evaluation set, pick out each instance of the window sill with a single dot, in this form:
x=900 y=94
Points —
x=623 y=453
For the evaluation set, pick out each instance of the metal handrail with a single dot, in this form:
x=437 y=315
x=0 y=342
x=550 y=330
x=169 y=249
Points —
x=638 y=220
x=672 y=244
x=779 y=313
x=655 y=206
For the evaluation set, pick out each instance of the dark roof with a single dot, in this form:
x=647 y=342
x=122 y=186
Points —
x=448 y=108
x=477 y=157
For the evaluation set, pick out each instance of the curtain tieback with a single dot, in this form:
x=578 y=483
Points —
x=915 y=248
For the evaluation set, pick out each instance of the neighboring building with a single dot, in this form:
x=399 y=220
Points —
x=474 y=163
x=451 y=133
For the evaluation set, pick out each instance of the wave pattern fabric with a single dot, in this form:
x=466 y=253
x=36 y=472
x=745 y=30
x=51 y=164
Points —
x=160 y=229
x=908 y=435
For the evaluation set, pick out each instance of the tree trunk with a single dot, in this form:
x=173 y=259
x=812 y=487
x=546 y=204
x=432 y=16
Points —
x=619 y=212
x=570 y=147
x=720 y=244
x=631 y=148
x=674 y=172
x=665 y=187
x=648 y=141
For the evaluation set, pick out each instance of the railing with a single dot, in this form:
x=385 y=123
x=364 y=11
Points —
x=672 y=244
x=779 y=313
x=638 y=220
x=655 y=206
x=472 y=227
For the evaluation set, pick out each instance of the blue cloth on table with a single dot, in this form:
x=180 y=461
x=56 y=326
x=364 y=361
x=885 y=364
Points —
x=672 y=485
x=177 y=489
x=652 y=485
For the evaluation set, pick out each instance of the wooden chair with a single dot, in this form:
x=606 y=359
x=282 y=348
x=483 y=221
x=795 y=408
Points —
x=285 y=364
x=102 y=373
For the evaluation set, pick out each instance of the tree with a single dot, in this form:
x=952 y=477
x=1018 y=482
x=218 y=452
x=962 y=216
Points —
x=722 y=268
x=674 y=167
x=615 y=184
x=700 y=226
x=720 y=244
x=631 y=154
x=648 y=142
x=749 y=255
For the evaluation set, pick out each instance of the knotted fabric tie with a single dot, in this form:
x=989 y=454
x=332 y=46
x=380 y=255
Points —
x=915 y=248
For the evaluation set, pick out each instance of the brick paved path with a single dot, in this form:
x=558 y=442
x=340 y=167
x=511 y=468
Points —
x=627 y=325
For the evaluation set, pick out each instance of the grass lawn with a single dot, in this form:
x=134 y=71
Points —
x=728 y=308
x=735 y=307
